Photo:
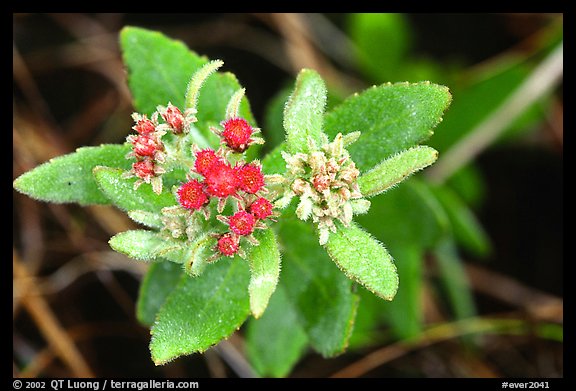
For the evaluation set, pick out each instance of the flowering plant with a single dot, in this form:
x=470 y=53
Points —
x=215 y=219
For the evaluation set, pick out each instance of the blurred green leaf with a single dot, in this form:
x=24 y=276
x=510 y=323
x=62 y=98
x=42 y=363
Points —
x=274 y=118
x=391 y=117
x=120 y=191
x=160 y=279
x=276 y=341
x=68 y=178
x=320 y=293
x=407 y=214
x=382 y=42
x=200 y=312
x=454 y=279
x=483 y=93
x=304 y=111
x=466 y=228
x=404 y=313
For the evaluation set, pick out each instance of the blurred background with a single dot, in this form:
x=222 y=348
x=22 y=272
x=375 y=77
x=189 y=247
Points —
x=500 y=146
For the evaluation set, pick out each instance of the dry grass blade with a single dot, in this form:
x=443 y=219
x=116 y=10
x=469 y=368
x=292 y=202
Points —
x=48 y=323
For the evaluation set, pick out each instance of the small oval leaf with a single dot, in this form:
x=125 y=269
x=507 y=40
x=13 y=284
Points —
x=265 y=270
x=201 y=312
x=144 y=245
x=122 y=194
x=304 y=111
x=395 y=169
x=391 y=117
x=363 y=259
x=68 y=178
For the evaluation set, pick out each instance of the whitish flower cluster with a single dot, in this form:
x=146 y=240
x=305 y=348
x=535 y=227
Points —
x=326 y=181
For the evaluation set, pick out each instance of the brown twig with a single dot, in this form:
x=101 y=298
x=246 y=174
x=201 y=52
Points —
x=48 y=323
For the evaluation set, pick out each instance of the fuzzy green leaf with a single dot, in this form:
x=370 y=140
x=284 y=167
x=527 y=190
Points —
x=276 y=341
x=363 y=259
x=122 y=194
x=391 y=117
x=148 y=219
x=159 y=68
x=197 y=254
x=320 y=293
x=68 y=178
x=265 y=270
x=304 y=111
x=200 y=312
x=145 y=245
x=160 y=279
x=395 y=169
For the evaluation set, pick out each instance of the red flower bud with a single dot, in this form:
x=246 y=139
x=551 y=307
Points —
x=146 y=145
x=221 y=180
x=228 y=244
x=205 y=159
x=242 y=223
x=143 y=169
x=173 y=117
x=191 y=195
x=261 y=208
x=250 y=178
x=144 y=126
x=236 y=134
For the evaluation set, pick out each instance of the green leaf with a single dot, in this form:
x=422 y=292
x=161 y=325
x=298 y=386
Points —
x=68 y=178
x=198 y=253
x=160 y=279
x=274 y=117
x=149 y=219
x=363 y=259
x=407 y=214
x=465 y=226
x=273 y=162
x=200 y=312
x=265 y=269
x=276 y=341
x=454 y=279
x=382 y=41
x=395 y=169
x=304 y=111
x=159 y=68
x=145 y=245
x=480 y=96
x=122 y=194
x=391 y=117
x=320 y=293
x=404 y=314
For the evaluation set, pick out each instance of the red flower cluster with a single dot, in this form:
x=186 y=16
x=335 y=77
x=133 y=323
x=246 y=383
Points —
x=147 y=148
x=243 y=181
